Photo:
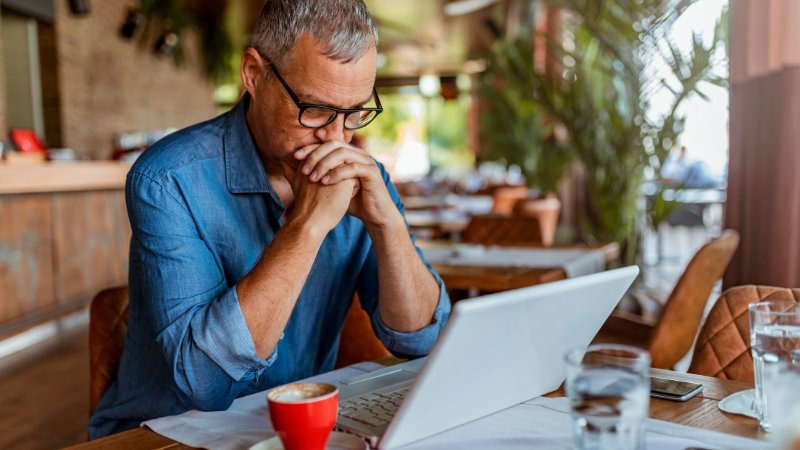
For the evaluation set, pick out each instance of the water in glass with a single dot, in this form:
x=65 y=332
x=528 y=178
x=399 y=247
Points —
x=772 y=345
x=608 y=387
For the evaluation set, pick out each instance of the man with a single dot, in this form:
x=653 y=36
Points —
x=253 y=231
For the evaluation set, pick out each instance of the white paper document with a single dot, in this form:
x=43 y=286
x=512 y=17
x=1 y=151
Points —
x=541 y=423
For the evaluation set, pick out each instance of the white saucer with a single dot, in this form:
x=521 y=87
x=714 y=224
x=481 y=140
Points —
x=336 y=441
x=741 y=403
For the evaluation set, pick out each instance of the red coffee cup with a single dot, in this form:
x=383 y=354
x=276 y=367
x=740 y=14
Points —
x=303 y=414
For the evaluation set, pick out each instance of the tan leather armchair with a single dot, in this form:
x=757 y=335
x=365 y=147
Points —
x=108 y=323
x=671 y=337
x=358 y=342
x=723 y=345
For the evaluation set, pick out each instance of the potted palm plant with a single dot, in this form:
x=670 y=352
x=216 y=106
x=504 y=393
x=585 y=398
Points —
x=600 y=95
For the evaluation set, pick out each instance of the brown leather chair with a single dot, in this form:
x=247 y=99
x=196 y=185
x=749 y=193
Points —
x=671 y=338
x=674 y=333
x=108 y=323
x=358 y=342
x=723 y=345
x=492 y=229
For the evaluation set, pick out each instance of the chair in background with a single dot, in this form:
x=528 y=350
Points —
x=108 y=323
x=493 y=229
x=723 y=345
x=358 y=342
x=672 y=336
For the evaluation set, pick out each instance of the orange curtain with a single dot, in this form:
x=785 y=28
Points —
x=764 y=170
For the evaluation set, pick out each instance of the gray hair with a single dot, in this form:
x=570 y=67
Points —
x=344 y=27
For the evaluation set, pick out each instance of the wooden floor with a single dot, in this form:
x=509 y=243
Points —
x=45 y=394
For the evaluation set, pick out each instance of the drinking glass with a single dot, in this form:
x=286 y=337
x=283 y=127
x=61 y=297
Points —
x=782 y=393
x=775 y=346
x=609 y=390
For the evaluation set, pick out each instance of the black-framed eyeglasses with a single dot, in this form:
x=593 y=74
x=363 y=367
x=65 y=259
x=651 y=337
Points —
x=319 y=116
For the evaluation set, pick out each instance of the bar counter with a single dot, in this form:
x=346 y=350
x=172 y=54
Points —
x=64 y=236
x=62 y=177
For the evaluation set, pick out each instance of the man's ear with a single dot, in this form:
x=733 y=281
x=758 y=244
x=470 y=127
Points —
x=252 y=71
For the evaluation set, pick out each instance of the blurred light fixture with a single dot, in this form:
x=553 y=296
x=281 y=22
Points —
x=461 y=7
x=166 y=43
x=429 y=84
x=79 y=7
x=464 y=82
x=474 y=66
x=449 y=88
x=133 y=21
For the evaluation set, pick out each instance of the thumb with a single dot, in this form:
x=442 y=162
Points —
x=288 y=172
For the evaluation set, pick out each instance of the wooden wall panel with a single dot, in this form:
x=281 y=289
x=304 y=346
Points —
x=91 y=236
x=26 y=256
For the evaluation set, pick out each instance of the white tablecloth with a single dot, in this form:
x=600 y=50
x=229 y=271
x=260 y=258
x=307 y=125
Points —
x=541 y=423
x=575 y=262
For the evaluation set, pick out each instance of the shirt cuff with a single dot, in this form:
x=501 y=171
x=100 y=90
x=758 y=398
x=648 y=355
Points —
x=416 y=343
x=225 y=338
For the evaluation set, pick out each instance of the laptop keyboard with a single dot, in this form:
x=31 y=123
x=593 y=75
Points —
x=375 y=410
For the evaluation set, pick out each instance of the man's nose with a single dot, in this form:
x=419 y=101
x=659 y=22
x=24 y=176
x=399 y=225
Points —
x=334 y=131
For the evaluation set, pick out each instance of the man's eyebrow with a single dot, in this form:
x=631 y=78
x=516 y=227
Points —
x=311 y=98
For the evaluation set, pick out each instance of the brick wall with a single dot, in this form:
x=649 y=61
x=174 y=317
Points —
x=108 y=85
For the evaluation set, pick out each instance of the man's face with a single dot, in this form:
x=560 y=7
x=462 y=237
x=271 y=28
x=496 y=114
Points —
x=314 y=78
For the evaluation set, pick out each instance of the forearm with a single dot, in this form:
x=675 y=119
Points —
x=267 y=294
x=408 y=292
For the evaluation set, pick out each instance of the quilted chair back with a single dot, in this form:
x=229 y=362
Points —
x=723 y=345
x=108 y=323
x=673 y=335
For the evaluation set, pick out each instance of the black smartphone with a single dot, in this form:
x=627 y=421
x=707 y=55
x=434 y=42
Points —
x=673 y=389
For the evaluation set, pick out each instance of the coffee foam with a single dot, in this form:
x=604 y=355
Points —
x=292 y=393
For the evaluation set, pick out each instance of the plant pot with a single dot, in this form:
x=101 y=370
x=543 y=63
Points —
x=547 y=209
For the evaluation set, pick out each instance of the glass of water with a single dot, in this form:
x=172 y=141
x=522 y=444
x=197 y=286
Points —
x=775 y=346
x=609 y=390
x=782 y=394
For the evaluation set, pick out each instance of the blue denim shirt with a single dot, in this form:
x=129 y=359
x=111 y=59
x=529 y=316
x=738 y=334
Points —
x=202 y=213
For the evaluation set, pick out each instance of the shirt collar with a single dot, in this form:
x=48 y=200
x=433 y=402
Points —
x=244 y=171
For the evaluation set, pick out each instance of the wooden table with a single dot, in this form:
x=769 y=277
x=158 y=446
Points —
x=495 y=279
x=700 y=412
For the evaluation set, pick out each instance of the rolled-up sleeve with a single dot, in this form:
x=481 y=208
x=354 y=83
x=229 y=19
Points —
x=420 y=342
x=181 y=289
x=406 y=344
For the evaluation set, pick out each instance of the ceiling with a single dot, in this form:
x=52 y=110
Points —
x=416 y=36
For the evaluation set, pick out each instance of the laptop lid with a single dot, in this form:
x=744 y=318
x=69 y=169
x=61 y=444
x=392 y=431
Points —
x=502 y=349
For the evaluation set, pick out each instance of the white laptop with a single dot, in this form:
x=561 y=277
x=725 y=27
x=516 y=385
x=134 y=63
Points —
x=496 y=351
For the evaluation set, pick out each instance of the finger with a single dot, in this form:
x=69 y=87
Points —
x=304 y=151
x=313 y=153
x=335 y=159
x=313 y=156
x=349 y=171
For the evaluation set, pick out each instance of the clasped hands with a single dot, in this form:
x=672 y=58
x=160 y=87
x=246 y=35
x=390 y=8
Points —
x=334 y=178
